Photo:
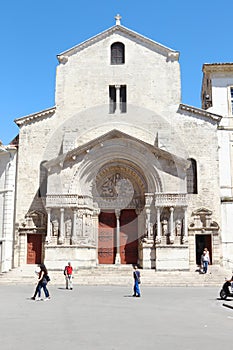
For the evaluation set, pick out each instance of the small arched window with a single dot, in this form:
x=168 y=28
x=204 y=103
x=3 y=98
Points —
x=117 y=53
x=192 y=177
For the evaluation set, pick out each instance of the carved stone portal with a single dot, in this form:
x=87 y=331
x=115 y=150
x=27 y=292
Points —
x=119 y=187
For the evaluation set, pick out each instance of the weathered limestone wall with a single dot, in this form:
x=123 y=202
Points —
x=200 y=142
x=82 y=82
x=221 y=81
x=221 y=99
x=56 y=257
x=8 y=158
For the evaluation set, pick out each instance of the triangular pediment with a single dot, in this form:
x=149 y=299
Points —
x=124 y=32
x=116 y=134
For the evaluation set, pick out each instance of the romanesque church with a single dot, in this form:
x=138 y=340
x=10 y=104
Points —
x=120 y=171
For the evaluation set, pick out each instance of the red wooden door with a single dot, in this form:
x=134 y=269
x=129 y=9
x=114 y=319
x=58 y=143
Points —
x=34 y=248
x=128 y=237
x=106 y=245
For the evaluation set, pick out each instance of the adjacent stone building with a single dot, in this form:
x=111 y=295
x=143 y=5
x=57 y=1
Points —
x=217 y=97
x=8 y=158
x=119 y=171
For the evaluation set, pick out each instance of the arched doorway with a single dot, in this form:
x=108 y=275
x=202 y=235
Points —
x=119 y=193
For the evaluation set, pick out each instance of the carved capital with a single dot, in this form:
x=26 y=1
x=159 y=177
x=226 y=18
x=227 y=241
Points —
x=148 y=199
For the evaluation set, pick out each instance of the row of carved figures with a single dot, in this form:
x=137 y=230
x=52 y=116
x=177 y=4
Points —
x=166 y=232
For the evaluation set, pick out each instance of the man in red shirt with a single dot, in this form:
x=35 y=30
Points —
x=68 y=272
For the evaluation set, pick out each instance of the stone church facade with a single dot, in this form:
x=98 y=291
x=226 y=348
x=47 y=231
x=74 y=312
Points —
x=119 y=171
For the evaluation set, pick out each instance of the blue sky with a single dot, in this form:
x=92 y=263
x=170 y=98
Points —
x=34 y=32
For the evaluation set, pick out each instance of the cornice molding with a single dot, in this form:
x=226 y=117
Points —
x=226 y=128
x=217 y=67
x=7 y=149
x=200 y=112
x=226 y=199
x=35 y=116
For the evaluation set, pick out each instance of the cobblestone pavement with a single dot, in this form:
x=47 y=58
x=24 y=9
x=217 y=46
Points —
x=106 y=317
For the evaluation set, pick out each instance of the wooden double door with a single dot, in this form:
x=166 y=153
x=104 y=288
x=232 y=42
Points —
x=128 y=237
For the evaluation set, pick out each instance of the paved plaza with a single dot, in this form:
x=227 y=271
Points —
x=109 y=318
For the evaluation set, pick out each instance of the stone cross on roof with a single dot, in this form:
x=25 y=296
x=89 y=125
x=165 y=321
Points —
x=118 y=20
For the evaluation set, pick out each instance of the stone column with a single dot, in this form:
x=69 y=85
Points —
x=95 y=221
x=74 y=230
x=118 y=256
x=8 y=194
x=148 y=223
x=149 y=227
x=8 y=201
x=158 y=237
x=61 y=235
x=96 y=229
x=141 y=222
x=79 y=226
x=171 y=224
x=48 y=236
x=118 y=98
x=185 y=233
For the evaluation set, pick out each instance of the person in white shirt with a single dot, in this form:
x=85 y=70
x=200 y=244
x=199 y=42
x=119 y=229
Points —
x=205 y=260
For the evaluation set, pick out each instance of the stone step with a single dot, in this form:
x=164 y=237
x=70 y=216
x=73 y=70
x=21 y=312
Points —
x=112 y=275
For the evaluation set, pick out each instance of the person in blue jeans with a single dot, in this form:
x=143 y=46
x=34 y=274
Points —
x=136 y=276
x=42 y=283
x=205 y=260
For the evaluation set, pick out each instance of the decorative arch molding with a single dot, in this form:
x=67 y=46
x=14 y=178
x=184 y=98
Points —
x=118 y=152
x=119 y=185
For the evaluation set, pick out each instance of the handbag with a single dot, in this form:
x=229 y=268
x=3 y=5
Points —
x=47 y=278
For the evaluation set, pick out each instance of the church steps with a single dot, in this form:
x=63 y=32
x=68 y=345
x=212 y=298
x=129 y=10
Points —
x=121 y=276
